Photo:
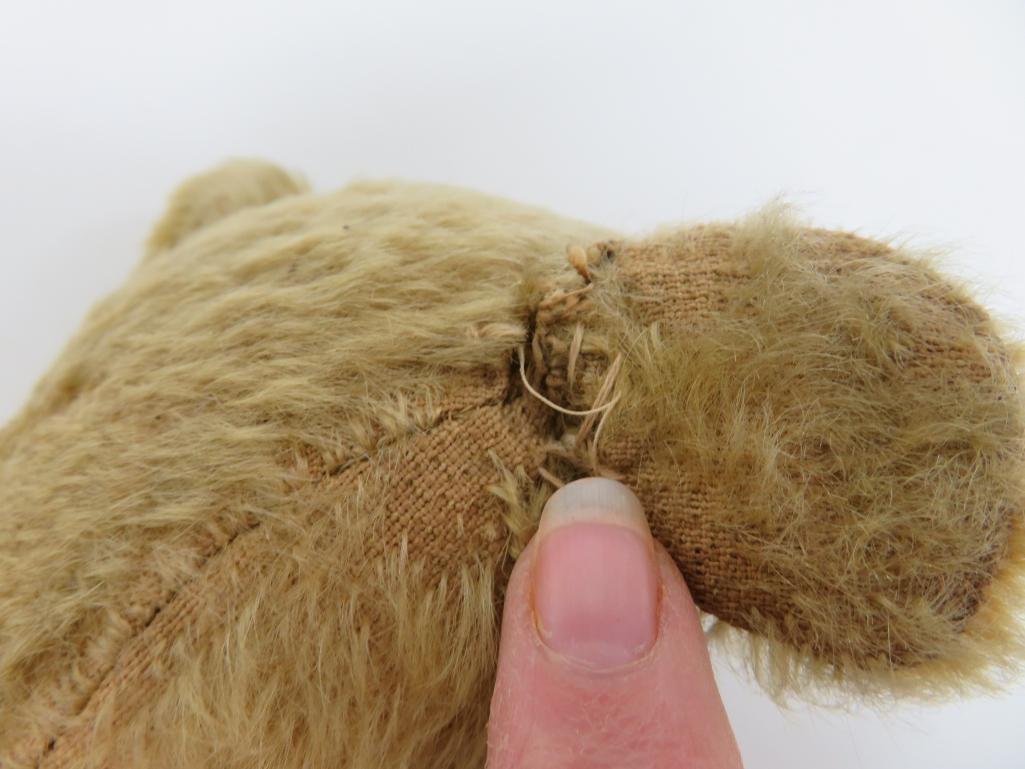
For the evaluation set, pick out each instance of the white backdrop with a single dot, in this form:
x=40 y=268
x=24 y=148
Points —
x=892 y=118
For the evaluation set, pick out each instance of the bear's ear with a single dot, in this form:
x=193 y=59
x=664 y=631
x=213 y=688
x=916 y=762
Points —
x=214 y=194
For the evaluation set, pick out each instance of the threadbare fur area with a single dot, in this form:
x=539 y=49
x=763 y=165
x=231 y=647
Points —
x=862 y=423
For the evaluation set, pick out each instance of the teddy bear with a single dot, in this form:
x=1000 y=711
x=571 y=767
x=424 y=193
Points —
x=262 y=509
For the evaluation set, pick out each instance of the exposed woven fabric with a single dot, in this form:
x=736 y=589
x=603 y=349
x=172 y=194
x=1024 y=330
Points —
x=934 y=345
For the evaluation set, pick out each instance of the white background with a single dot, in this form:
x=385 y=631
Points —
x=892 y=118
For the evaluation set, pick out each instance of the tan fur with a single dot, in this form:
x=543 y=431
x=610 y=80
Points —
x=863 y=422
x=261 y=510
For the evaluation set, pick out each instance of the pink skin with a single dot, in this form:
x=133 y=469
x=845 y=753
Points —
x=612 y=695
x=595 y=594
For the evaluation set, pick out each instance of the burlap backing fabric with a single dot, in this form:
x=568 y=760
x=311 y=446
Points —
x=686 y=286
x=438 y=510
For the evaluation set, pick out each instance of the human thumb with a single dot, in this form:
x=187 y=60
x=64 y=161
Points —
x=603 y=661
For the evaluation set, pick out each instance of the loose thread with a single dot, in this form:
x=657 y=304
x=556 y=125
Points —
x=603 y=392
x=577 y=257
x=574 y=351
x=599 y=408
x=551 y=478
x=556 y=406
x=592 y=451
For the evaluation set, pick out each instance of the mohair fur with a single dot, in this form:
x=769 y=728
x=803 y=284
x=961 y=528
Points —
x=261 y=510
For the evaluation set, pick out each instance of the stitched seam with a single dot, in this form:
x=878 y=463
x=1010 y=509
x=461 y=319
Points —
x=51 y=744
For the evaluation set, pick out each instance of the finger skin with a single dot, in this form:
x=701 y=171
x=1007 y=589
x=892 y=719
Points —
x=662 y=711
